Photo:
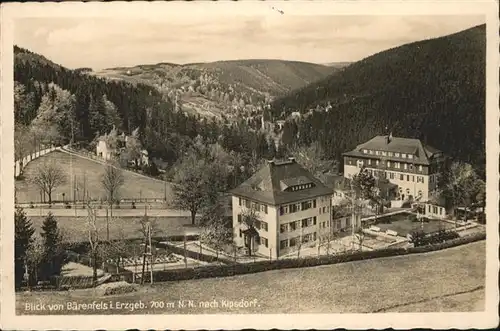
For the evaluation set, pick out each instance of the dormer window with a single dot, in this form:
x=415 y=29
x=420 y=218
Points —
x=410 y=156
x=365 y=151
x=371 y=152
x=390 y=154
x=396 y=154
x=384 y=153
x=377 y=152
x=403 y=156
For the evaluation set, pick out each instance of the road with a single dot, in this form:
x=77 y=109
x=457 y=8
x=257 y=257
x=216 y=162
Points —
x=102 y=212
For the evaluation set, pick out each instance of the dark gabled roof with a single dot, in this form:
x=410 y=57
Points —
x=266 y=185
x=422 y=153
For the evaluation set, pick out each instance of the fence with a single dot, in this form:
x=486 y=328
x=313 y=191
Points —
x=20 y=164
x=246 y=268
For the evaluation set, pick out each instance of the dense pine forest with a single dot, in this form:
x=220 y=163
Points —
x=63 y=105
x=433 y=90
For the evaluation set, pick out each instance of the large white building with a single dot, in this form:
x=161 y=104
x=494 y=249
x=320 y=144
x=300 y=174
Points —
x=408 y=163
x=293 y=207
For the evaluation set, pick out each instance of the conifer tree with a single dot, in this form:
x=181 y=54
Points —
x=23 y=239
x=54 y=255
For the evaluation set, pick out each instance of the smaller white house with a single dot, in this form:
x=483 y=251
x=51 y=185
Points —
x=102 y=150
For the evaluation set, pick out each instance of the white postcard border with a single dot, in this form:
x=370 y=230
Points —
x=161 y=10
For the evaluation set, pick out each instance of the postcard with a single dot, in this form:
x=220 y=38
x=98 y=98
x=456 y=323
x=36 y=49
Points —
x=250 y=164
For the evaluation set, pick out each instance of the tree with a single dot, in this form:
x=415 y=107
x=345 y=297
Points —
x=134 y=147
x=459 y=185
x=325 y=238
x=23 y=240
x=35 y=255
x=192 y=187
x=251 y=220
x=359 y=234
x=363 y=185
x=112 y=180
x=54 y=255
x=215 y=232
x=47 y=177
x=312 y=158
x=93 y=237
x=22 y=143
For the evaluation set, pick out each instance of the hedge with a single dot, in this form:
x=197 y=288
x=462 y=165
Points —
x=254 y=267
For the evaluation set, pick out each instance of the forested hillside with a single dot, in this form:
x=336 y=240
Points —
x=433 y=90
x=55 y=104
x=224 y=88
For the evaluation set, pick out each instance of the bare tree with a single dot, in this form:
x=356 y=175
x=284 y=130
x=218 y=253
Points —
x=251 y=219
x=94 y=241
x=360 y=237
x=47 y=177
x=112 y=180
x=326 y=237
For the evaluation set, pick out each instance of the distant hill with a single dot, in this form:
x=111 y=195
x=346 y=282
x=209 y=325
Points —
x=432 y=89
x=218 y=87
x=337 y=64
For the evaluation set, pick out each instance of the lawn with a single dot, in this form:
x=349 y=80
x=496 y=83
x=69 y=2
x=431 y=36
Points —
x=76 y=229
x=356 y=287
x=403 y=225
x=88 y=174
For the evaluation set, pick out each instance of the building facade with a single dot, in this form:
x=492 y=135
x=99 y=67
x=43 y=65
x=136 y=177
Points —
x=408 y=163
x=292 y=205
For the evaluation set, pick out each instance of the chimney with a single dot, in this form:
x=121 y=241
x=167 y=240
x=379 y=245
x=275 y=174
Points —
x=389 y=137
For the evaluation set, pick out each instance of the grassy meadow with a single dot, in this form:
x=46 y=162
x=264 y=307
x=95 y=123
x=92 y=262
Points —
x=447 y=280
x=87 y=174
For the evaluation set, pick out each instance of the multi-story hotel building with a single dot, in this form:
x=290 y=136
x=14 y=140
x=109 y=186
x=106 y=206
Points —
x=408 y=163
x=292 y=205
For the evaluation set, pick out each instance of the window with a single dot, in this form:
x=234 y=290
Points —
x=264 y=207
x=396 y=154
x=293 y=208
x=420 y=168
x=411 y=166
x=391 y=175
x=412 y=178
x=369 y=161
x=304 y=223
x=320 y=211
x=398 y=165
x=264 y=225
x=306 y=205
x=314 y=220
x=408 y=179
x=371 y=152
x=314 y=203
x=410 y=156
x=405 y=166
x=377 y=162
x=293 y=242
x=388 y=164
x=239 y=201
x=324 y=210
x=365 y=151
x=284 y=244
x=258 y=224
x=401 y=177
x=264 y=241
x=247 y=204
x=403 y=155
x=239 y=218
x=282 y=210
x=390 y=154
x=292 y=226
x=241 y=233
x=422 y=179
x=383 y=153
x=377 y=153
x=283 y=228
